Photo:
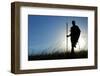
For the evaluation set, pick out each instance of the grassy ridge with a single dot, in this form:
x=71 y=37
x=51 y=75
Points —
x=57 y=55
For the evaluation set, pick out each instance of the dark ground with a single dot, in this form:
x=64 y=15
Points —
x=56 y=55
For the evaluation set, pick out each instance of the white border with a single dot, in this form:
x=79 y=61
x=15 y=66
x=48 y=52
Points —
x=25 y=64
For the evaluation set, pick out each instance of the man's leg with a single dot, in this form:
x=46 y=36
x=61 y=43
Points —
x=72 y=50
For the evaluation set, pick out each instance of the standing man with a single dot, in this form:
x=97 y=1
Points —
x=74 y=34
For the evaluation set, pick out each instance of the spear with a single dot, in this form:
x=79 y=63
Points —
x=66 y=36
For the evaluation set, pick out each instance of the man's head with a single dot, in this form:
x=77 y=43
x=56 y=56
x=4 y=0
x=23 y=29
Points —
x=73 y=22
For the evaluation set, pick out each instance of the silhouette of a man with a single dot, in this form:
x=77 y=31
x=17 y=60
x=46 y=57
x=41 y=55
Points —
x=74 y=34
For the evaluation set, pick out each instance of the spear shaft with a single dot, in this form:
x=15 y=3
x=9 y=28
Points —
x=66 y=36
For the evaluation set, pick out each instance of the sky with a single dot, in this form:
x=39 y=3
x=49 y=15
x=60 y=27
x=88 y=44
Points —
x=47 y=34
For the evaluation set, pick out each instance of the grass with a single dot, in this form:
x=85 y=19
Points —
x=58 y=55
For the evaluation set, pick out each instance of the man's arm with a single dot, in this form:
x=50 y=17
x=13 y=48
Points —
x=69 y=35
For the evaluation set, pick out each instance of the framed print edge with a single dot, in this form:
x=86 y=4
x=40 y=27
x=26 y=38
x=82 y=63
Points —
x=15 y=37
x=96 y=37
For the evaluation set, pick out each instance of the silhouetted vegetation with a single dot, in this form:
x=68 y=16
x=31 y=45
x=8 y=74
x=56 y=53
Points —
x=59 y=55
